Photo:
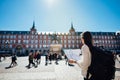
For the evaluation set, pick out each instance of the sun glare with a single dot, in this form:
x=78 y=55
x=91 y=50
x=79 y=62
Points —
x=51 y=3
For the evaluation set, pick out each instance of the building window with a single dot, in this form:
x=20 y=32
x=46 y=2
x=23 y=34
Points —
x=73 y=41
x=102 y=37
x=61 y=41
x=14 y=36
x=40 y=46
x=73 y=37
x=32 y=36
x=40 y=41
x=64 y=37
x=69 y=46
x=77 y=41
x=36 y=41
x=77 y=37
x=24 y=36
x=69 y=41
x=73 y=46
x=108 y=37
x=32 y=41
x=69 y=37
x=44 y=41
x=11 y=36
x=99 y=36
x=27 y=46
x=3 y=36
x=32 y=32
x=36 y=36
x=106 y=41
x=65 y=46
x=65 y=41
x=31 y=46
x=19 y=41
x=24 y=41
x=49 y=41
x=53 y=42
x=14 y=41
x=10 y=46
x=3 y=41
x=27 y=36
x=7 y=36
x=11 y=41
x=61 y=36
x=27 y=41
x=36 y=46
x=2 y=46
x=19 y=36
x=44 y=45
x=49 y=37
x=44 y=36
x=40 y=36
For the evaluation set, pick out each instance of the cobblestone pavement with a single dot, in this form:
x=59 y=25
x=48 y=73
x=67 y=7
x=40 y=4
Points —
x=42 y=72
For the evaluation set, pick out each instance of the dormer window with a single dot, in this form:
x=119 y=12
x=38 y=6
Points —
x=32 y=32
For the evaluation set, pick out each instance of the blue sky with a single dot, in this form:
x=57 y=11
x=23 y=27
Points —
x=57 y=15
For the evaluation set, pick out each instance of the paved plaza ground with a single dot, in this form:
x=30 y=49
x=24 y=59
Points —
x=42 y=72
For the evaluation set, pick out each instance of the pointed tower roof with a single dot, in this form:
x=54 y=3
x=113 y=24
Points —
x=33 y=27
x=72 y=30
x=72 y=26
x=33 y=30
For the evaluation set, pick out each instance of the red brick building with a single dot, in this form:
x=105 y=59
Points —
x=22 y=42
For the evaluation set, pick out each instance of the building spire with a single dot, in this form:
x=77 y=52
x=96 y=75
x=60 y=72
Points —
x=72 y=26
x=33 y=27
x=72 y=30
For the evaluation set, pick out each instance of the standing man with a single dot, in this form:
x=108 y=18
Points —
x=38 y=57
x=46 y=57
x=56 y=58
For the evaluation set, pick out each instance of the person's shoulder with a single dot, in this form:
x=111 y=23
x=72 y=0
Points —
x=85 y=46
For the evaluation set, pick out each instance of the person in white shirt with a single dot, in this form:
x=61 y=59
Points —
x=84 y=63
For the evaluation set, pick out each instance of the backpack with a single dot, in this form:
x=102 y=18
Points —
x=102 y=64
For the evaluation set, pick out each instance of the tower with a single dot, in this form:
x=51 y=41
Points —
x=72 y=30
x=33 y=30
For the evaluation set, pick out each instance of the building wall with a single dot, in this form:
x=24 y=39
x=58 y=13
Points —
x=25 y=41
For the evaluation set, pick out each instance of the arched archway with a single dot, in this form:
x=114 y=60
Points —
x=19 y=50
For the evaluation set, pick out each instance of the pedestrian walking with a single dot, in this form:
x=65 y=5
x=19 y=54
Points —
x=46 y=57
x=30 y=58
x=35 y=57
x=56 y=58
x=50 y=57
x=13 y=60
x=38 y=57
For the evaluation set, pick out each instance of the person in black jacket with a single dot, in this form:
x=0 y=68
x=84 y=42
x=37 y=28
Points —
x=31 y=56
x=13 y=60
x=38 y=57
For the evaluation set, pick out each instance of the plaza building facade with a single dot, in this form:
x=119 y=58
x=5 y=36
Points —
x=22 y=42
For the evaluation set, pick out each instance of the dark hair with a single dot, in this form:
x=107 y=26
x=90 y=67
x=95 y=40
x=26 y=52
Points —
x=87 y=39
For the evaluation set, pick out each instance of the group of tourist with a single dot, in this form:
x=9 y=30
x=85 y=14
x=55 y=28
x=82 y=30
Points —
x=35 y=58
